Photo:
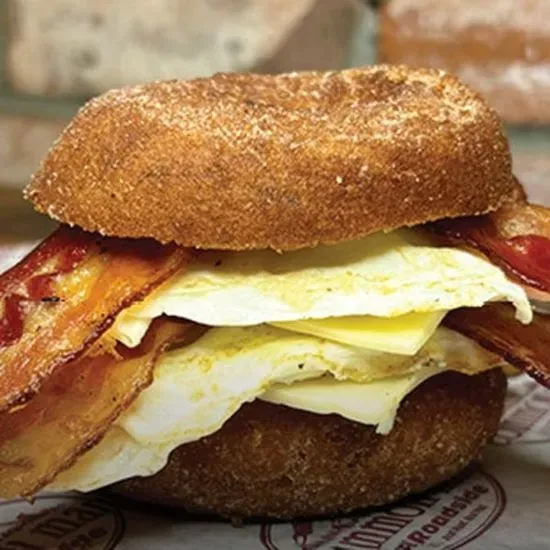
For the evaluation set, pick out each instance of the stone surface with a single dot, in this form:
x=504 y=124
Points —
x=531 y=161
x=83 y=47
x=533 y=170
x=23 y=143
x=19 y=223
x=322 y=40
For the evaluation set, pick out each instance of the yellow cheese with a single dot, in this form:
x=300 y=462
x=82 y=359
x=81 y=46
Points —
x=404 y=334
x=373 y=403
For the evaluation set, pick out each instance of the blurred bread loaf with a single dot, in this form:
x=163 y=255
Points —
x=500 y=48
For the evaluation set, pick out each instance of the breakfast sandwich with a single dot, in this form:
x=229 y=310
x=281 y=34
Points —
x=271 y=296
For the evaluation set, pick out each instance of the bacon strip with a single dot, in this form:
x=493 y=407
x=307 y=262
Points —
x=516 y=238
x=495 y=328
x=74 y=409
x=59 y=300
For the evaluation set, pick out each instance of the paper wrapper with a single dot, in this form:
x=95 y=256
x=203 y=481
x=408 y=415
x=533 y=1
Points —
x=503 y=504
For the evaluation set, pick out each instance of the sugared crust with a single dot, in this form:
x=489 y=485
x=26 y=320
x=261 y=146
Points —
x=252 y=161
x=273 y=461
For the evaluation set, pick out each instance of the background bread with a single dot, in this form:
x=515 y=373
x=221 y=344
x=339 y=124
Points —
x=250 y=161
x=501 y=48
x=273 y=461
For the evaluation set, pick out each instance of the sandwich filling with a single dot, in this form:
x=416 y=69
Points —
x=114 y=352
x=349 y=329
x=386 y=291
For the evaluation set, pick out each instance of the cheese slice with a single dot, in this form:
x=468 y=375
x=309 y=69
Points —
x=404 y=334
x=373 y=403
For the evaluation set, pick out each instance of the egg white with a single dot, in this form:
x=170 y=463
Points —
x=383 y=275
x=199 y=387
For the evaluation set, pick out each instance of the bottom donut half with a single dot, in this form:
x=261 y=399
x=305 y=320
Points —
x=272 y=461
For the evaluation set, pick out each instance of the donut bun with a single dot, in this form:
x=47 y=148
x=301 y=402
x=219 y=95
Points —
x=247 y=161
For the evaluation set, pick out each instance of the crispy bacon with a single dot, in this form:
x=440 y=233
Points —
x=495 y=328
x=61 y=298
x=74 y=409
x=516 y=238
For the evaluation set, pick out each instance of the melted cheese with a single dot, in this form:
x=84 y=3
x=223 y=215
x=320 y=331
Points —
x=405 y=334
x=373 y=403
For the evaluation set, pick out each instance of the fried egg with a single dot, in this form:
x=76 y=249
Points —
x=382 y=276
x=199 y=387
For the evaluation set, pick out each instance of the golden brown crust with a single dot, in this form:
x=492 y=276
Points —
x=241 y=161
x=273 y=461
